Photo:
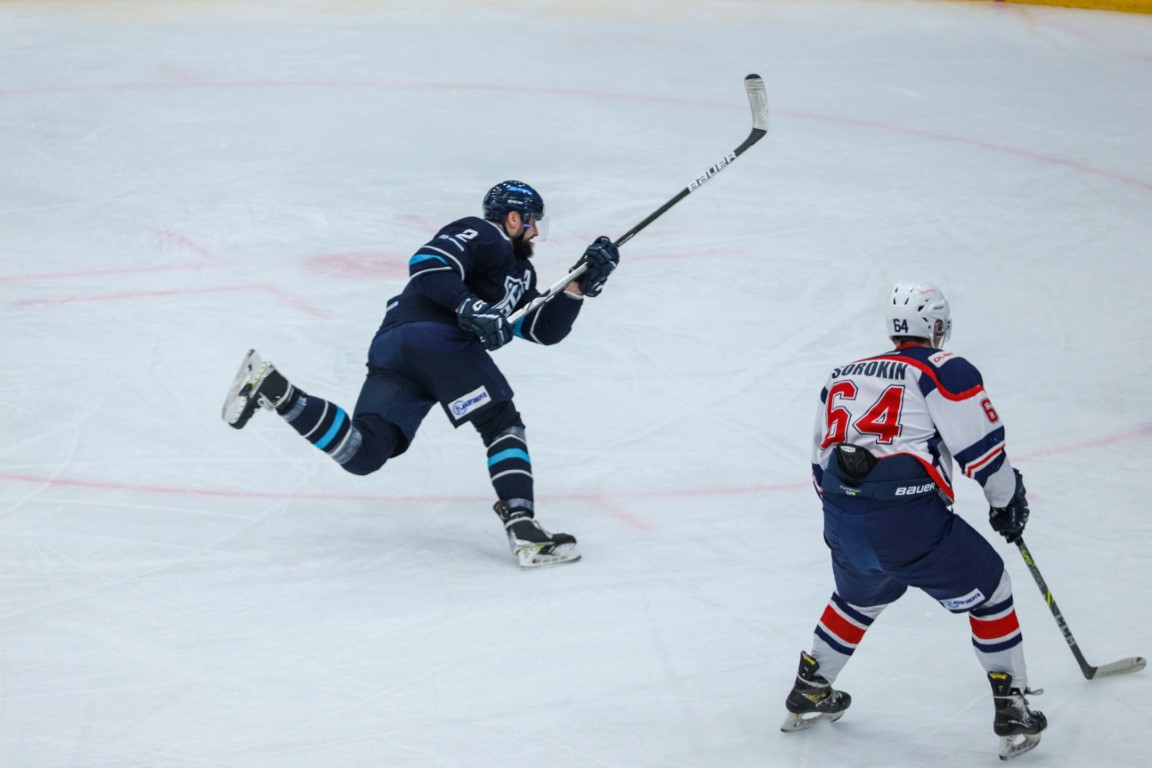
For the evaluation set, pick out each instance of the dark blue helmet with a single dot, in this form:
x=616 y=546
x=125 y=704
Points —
x=510 y=196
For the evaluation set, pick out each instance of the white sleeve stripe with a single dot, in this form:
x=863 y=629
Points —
x=446 y=255
x=847 y=618
x=976 y=465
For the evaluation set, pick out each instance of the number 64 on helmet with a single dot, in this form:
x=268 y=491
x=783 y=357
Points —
x=918 y=311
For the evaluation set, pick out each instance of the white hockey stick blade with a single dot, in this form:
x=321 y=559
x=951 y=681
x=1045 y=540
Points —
x=758 y=101
x=1122 y=667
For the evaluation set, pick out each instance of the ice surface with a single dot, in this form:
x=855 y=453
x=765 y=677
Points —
x=182 y=181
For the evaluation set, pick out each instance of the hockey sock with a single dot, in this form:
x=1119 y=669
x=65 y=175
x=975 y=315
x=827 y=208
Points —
x=324 y=424
x=510 y=467
x=840 y=630
x=996 y=634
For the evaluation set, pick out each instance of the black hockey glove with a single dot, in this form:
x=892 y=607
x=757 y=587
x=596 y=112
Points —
x=600 y=259
x=485 y=322
x=1009 y=521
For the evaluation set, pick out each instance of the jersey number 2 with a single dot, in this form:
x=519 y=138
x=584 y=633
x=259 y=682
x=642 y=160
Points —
x=882 y=419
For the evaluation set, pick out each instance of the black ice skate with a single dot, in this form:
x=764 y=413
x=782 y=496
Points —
x=257 y=385
x=812 y=698
x=1017 y=726
x=532 y=545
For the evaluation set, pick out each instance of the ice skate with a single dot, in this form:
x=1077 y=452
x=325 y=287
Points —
x=1017 y=726
x=812 y=698
x=257 y=385
x=531 y=545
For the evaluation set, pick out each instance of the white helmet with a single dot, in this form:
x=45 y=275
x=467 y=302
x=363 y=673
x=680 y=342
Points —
x=919 y=310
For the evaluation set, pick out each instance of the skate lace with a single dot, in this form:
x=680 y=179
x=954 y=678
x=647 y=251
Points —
x=1018 y=698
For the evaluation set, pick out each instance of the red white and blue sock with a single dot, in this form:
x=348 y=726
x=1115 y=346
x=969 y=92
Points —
x=841 y=628
x=996 y=634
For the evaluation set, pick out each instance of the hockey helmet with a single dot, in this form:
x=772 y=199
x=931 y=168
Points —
x=508 y=196
x=919 y=310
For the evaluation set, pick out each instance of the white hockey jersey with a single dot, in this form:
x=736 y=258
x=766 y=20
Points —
x=920 y=402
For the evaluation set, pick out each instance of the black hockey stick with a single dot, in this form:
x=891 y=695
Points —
x=1121 y=667
x=758 y=101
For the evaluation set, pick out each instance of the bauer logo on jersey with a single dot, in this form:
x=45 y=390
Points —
x=915 y=490
x=964 y=602
x=470 y=402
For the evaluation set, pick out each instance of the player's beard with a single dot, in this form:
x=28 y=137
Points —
x=522 y=247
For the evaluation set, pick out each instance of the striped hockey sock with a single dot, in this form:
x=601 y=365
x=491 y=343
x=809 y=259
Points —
x=324 y=424
x=509 y=465
x=996 y=634
x=841 y=628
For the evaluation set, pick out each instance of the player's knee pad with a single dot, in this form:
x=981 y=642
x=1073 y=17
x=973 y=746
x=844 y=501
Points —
x=1000 y=596
x=492 y=422
x=380 y=440
x=516 y=432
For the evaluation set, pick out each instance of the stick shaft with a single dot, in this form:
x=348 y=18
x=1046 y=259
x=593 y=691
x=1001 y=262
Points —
x=1121 y=667
x=1088 y=670
x=758 y=102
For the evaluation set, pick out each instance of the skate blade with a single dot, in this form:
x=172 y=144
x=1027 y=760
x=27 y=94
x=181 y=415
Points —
x=1014 y=746
x=234 y=404
x=802 y=721
x=536 y=558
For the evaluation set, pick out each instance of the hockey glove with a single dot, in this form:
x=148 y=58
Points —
x=599 y=259
x=485 y=322
x=1009 y=521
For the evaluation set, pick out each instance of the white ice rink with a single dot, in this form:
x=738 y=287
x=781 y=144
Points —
x=180 y=181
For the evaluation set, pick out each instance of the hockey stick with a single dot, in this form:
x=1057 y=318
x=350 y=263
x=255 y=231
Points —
x=758 y=101
x=1121 y=667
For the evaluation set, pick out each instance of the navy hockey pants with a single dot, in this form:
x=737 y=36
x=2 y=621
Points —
x=880 y=548
x=412 y=367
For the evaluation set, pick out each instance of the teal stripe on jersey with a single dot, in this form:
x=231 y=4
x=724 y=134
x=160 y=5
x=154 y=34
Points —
x=420 y=258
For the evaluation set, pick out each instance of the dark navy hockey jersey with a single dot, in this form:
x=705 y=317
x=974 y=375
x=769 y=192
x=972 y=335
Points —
x=469 y=258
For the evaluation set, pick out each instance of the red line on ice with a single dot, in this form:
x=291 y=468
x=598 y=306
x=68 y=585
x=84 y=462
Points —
x=1141 y=431
x=293 y=301
x=187 y=83
x=208 y=259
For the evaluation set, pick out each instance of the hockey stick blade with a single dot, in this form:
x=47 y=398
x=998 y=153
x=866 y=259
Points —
x=758 y=103
x=1122 y=667
x=1090 y=672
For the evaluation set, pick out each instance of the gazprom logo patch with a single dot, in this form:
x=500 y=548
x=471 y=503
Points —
x=963 y=603
x=470 y=402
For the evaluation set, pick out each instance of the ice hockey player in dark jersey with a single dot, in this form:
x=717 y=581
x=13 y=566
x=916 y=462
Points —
x=433 y=347
x=887 y=432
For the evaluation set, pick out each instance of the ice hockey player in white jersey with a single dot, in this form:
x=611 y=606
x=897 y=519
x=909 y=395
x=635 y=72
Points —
x=888 y=431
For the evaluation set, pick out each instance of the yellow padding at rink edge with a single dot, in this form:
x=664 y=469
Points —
x=1129 y=6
